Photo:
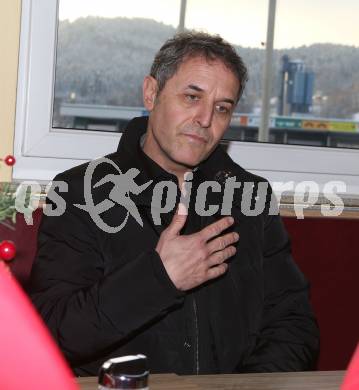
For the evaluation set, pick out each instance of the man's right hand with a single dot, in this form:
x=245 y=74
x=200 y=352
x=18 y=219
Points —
x=191 y=260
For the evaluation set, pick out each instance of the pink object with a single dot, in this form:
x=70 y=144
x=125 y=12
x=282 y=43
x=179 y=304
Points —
x=351 y=379
x=29 y=358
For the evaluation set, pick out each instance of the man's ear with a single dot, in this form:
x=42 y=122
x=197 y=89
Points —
x=149 y=89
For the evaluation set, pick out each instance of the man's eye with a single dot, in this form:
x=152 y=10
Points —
x=192 y=98
x=222 y=109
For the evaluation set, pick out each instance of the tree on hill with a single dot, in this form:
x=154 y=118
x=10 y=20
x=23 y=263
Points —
x=103 y=61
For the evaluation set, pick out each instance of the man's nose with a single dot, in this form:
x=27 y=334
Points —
x=204 y=114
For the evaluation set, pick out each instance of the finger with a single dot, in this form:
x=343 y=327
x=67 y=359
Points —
x=215 y=272
x=178 y=221
x=181 y=209
x=219 y=243
x=221 y=256
x=216 y=228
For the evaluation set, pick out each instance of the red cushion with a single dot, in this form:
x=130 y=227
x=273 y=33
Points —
x=326 y=250
x=25 y=239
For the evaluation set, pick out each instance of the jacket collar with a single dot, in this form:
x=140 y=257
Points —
x=217 y=167
x=131 y=155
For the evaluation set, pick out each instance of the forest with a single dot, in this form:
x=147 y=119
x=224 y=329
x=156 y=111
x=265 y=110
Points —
x=104 y=60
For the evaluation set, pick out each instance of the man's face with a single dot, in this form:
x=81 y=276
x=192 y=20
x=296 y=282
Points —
x=191 y=113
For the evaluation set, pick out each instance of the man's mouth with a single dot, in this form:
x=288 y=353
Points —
x=196 y=138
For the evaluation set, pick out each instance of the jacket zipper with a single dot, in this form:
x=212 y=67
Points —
x=196 y=344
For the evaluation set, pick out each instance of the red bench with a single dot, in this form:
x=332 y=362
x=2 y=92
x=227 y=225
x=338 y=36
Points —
x=325 y=249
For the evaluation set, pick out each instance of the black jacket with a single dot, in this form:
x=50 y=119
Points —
x=105 y=295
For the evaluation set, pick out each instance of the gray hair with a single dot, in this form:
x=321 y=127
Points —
x=192 y=44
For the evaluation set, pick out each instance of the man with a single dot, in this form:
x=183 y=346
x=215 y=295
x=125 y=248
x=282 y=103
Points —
x=201 y=292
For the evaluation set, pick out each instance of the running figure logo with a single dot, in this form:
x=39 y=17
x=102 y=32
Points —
x=124 y=184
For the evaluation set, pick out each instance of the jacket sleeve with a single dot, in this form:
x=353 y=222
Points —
x=86 y=309
x=288 y=338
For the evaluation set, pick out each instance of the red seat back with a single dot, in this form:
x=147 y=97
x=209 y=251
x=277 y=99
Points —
x=326 y=250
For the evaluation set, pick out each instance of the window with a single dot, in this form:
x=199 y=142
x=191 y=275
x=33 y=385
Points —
x=104 y=51
x=58 y=110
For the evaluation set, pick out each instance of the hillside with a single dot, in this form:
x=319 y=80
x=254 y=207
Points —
x=103 y=61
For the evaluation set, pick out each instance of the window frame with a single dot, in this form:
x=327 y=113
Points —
x=42 y=151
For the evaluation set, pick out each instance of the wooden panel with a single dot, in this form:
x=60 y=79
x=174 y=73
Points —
x=320 y=380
